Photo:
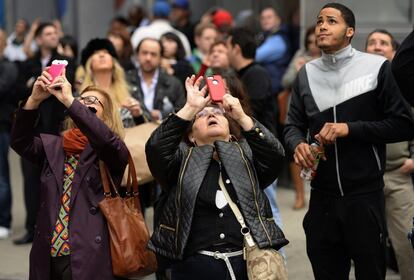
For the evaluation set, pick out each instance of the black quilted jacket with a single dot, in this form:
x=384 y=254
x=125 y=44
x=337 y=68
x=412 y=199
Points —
x=251 y=164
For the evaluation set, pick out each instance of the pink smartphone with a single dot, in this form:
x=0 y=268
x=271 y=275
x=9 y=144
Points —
x=56 y=69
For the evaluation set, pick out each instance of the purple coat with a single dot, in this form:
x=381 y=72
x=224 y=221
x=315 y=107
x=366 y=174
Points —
x=88 y=234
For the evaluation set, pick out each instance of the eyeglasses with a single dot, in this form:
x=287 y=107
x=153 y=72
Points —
x=90 y=99
x=211 y=110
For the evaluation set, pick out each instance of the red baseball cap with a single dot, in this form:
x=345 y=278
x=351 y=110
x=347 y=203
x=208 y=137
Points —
x=222 y=17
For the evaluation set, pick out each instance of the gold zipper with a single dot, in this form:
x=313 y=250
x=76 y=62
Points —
x=180 y=179
x=254 y=193
x=167 y=227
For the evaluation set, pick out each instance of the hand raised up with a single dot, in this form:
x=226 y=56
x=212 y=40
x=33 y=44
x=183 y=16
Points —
x=234 y=110
x=40 y=91
x=62 y=90
x=196 y=98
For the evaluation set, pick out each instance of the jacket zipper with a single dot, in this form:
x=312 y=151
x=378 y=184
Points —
x=337 y=160
x=376 y=157
x=180 y=179
x=167 y=227
x=254 y=193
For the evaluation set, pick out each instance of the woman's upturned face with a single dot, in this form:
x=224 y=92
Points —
x=210 y=125
x=95 y=100
x=170 y=47
x=101 y=60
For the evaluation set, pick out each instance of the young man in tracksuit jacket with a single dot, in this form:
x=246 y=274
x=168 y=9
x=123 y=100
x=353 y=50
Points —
x=349 y=102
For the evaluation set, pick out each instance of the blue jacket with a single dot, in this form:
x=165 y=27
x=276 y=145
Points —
x=274 y=55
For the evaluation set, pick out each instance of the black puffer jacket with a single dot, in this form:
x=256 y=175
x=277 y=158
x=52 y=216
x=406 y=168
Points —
x=252 y=164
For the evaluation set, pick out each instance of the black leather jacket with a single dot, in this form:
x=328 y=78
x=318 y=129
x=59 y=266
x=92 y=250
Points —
x=251 y=164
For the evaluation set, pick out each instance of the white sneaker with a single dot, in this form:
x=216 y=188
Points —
x=4 y=233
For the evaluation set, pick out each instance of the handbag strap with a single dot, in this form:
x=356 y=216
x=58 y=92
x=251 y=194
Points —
x=244 y=229
x=132 y=182
x=106 y=184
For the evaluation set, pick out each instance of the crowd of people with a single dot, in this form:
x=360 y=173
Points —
x=279 y=99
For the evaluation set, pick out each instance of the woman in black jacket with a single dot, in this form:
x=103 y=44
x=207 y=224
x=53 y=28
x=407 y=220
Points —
x=192 y=217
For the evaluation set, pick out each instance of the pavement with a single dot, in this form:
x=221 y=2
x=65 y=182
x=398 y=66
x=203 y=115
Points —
x=14 y=260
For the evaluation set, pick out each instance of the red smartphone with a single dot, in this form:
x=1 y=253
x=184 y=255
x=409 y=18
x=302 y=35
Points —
x=56 y=69
x=202 y=71
x=216 y=88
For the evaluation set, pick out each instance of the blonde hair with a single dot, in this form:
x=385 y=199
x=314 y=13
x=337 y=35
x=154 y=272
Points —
x=110 y=114
x=119 y=87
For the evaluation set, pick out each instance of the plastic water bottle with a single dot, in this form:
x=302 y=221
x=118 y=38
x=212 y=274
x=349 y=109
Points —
x=317 y=152
x=167 y=106
x=411 y=235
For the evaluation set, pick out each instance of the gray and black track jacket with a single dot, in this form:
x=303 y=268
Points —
x=358 y=89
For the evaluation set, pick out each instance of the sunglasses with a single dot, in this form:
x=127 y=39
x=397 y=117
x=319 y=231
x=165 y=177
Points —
x=90 y=99
x=212 y=110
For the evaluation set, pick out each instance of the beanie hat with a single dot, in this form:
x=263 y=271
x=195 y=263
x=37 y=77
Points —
x=96 y=45
x=222 y=17
x=161 y=9
x=182 y=4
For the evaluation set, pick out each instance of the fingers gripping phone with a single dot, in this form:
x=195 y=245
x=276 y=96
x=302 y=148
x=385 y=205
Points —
x=216 y=88
x=56 y=69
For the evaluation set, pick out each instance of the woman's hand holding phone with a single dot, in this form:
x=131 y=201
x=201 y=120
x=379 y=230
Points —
x=62 y=89
x=196 y=98
x=51 y=81
x=40 y=91
x=234 y=110
x=56 y=69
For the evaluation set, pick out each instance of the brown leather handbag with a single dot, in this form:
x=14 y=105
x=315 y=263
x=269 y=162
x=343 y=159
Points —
x=128 y=233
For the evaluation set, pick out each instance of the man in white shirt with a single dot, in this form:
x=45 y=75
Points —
x=158 y=93
x=15 y=42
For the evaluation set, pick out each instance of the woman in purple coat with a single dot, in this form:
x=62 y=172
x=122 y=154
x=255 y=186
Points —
x=71 y=236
